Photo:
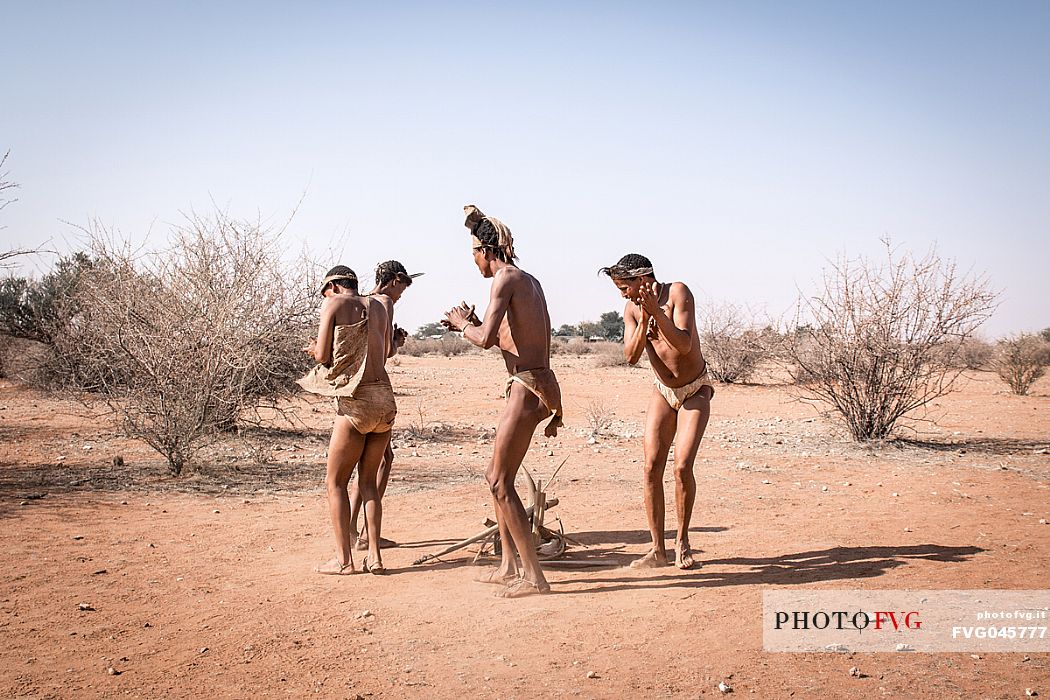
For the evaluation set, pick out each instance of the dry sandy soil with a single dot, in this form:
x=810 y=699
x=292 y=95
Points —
x=202 y=585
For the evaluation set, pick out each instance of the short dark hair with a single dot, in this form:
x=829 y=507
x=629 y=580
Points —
x=625 y=265
x=391 y=270
x=347 y=282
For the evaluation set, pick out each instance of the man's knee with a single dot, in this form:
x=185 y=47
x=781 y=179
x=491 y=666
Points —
x=654 y=468
x=683 y=469
x=499 y=486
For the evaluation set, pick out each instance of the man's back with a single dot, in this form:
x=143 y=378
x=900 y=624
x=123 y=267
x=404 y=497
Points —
x=350 y=309
x=525 y=333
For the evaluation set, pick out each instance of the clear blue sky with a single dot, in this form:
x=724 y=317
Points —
x=738 y=144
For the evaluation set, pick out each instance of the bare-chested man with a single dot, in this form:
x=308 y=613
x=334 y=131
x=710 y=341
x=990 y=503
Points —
x=517 y=321
x=352 y=344
x=392 y=279
x=659 y=318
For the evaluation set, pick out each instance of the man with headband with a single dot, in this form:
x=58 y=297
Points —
x=659 y=318
x=352 y=344
x=392 y=279
x=517 y=321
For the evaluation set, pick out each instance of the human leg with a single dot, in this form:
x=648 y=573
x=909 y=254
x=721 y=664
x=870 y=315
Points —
x=344 y=450
x=361 y=541
x=692 y=421
x=659 y=432
x=371 y=458
x=522 y=414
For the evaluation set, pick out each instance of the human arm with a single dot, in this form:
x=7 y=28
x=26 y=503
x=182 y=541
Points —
x=634 y=332
x=677 y=331
x=486 y=334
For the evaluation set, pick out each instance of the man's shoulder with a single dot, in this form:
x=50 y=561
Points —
x=679 y=289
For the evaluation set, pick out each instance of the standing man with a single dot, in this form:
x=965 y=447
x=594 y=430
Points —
x=517 y=321
x=660 y=319
x=352 y=344
x=392 y=279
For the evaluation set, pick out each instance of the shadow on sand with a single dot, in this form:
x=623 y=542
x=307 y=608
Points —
x=835 y=563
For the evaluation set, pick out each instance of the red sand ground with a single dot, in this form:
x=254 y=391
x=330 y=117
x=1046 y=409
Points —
x=202 y=585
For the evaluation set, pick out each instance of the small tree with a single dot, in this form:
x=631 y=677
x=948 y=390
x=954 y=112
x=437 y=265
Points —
x=731 y=343
x=1021 y=360
x=611 y=325
x=431 y=329
x=875 y=347
x=181 y=342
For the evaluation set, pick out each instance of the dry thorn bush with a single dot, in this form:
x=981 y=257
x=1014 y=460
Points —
x=732 y=343
x=185 y=342
x=599 y=417
x=1021 y=360
x=881 y=338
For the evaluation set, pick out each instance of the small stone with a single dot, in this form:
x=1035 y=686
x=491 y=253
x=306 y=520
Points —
x=366 y=613
x=724 y=687
x=147 y=625
x=766 y=481
x=907 y=529
x=975 y=656
x=112 y=671
x=61 y=458
x=215 y=511
x=854 y=672
x=894 y=494
x=204 y=650
x=118 y=461
x=78 y=537
x=1042 y=521
x=1031 y=692
x=550 y=453
x=823 y=488
x=591 y=440
x=592 y=674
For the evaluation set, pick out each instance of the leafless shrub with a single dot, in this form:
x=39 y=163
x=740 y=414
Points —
x=184 y=342
x=599 y=417
x=1021 y=360
x=972 y=353
x=7 y=187
x=448 y=345
x=573 y=346
x=874 y=345
x=732 y=343
x=611 y=356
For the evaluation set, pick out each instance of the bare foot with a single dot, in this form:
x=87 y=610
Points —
x=336 y=568
x=522 y=587
x=683 y=556
x=361 y=543
x=652 y=560
x=494 y=575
